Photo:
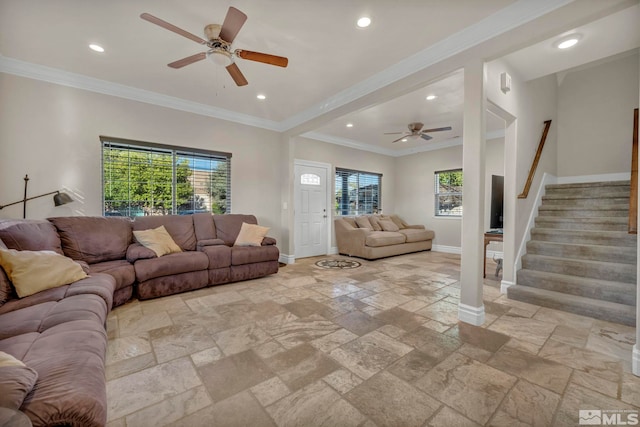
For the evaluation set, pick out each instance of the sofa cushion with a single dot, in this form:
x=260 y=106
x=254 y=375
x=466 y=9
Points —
x=16 y=381
x=251 y=235
x=203 y=226
x=182 y=262
x=374 y=220
x=136 y=251
x=384 y=238
x=363 y=222
x=94 y=239
x=228 y=226
x=158 y=240
x=219 y=256
x=121 y=270
x=34 y=271
x=249 y=255
x=30 y=235
x=351 y=221
x=180 y=227
x=417 y=235
x=398 y=221
x=388 y=225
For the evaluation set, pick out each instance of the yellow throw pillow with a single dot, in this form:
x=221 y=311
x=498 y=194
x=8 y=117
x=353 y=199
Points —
x=251 y=235
x=158 y=240
x=34 y=271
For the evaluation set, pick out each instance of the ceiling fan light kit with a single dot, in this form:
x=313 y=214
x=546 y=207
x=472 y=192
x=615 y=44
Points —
x=219 y=39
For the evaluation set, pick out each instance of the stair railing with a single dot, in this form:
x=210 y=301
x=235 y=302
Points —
x=633 y=196
x=536 y=159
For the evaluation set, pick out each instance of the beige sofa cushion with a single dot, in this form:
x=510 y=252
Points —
x=363 y=222
x=417 y=235
x=388 y=225
x=384 y=238
x=373 y=219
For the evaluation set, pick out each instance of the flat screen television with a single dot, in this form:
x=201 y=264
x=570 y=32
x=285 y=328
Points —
x=497 y=201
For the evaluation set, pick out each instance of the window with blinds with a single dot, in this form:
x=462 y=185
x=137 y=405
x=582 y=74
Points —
x=448 y=192
x=357 y=192
x=141 y=178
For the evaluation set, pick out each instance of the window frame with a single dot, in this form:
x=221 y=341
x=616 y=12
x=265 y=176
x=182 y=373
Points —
x=339 y=210
x=176 y=152
x=453 y=194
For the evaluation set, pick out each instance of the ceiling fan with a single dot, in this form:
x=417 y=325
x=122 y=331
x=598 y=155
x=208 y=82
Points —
x=415 y=131
x=219 y=39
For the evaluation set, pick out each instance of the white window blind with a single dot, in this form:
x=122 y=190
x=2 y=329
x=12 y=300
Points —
x=357 y=192
x=140 y=178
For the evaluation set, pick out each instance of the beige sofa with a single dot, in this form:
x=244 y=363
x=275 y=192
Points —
x=379 y=236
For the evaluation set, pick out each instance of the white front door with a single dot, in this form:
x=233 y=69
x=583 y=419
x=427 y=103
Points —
x=311 y=210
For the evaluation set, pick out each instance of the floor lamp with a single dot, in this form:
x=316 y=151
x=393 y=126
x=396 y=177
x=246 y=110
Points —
x=59 y=199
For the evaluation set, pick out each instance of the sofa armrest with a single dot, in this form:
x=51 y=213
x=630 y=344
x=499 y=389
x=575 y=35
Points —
x=268 y=241
x=209 y=242
x=350 y=240
x=136 y=251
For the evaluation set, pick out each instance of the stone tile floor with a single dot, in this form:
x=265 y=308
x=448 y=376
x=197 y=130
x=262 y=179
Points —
x=378 y=345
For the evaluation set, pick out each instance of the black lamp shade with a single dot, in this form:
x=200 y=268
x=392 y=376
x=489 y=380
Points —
x=62 y=199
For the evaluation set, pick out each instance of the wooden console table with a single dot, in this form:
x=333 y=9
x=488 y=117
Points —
x=488 y=238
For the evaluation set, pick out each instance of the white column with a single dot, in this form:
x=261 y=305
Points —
x=471 y=308
x=635 y=357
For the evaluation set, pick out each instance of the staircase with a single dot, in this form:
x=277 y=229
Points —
x=581 y=258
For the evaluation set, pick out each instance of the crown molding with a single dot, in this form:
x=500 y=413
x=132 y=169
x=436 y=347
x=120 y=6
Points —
x=506 y=19
x=79 y=81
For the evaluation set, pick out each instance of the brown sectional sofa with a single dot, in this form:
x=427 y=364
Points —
x=60 y=332
x=373 y=242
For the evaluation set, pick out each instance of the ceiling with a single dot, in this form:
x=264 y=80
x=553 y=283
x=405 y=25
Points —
x=330 y=59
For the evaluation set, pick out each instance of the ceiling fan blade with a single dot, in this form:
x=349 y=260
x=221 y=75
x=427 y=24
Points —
x=399 y=139
x=188 y=60
x=237 y=75
x=171 y=27
x=436 y=129
x=425 y=137
x=232 y=24
x=280 y=61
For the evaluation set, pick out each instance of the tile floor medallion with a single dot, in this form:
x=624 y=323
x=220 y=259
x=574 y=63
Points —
x=376 y=345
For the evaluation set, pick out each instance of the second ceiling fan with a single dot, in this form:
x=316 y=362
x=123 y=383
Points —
x=416 y=131
x=219 y=39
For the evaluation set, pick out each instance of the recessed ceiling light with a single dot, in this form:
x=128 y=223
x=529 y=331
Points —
x=404 y=140
x=349 y=125
x=364 y=22
x=567 y=42
x=96 y=47
x=261 y=96
x=431 y=97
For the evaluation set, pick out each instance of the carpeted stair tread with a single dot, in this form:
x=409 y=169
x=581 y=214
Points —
x=604 y=310
x=595 y=224
x=589 y=185
x=583 y=268
x=586 y=237
x=619 y=292
x=624 y=255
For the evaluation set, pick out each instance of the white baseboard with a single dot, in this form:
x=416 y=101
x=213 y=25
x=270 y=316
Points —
x=447 y=249
x=504 y=285
x=287 y=259
x=635 y=360
x=622 y=176
x=472 y=315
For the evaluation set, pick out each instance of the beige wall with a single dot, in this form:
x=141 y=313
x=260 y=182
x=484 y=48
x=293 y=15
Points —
x=595 y=118
x=415 y=198
x=51 y=132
